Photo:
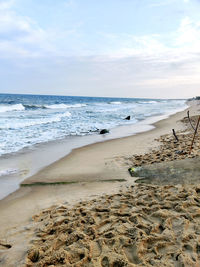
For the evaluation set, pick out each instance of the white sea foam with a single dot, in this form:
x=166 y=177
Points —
x=116 y=103
x=22 y=124
x=147 y=102
x=56 y=106
x=78 y=105
x=64 y=106
x=17 y=107
x=8 y=172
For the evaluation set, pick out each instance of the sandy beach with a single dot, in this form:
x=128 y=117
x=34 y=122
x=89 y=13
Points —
x=128 y=224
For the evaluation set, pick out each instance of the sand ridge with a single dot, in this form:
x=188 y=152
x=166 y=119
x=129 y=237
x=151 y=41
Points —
x=144 y=225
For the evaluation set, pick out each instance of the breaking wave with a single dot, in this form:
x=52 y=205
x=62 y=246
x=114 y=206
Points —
x=20 y=107
x=7 y=108
x=63 y=106
x=116 y=103
x=23 y=124
x=8 y=172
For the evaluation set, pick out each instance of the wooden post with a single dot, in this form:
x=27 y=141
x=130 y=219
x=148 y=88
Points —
x=195 y=134
x=174 y=133
x=188 y=114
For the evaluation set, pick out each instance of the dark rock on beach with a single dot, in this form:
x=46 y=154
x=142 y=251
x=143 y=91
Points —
x=104 y=131
x=128 y=118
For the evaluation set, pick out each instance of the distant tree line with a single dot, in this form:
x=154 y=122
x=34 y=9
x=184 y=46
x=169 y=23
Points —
x=195 y=98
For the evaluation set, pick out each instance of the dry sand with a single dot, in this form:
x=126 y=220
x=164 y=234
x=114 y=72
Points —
x=88 y=167
x=143 y=226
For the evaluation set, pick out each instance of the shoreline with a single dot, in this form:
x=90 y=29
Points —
x=94 y=167
x=157 y=128
x=26 y=162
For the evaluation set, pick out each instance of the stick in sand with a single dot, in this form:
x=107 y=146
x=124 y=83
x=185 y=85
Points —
x=174 y=133
x=188 y=115
x=195 y=134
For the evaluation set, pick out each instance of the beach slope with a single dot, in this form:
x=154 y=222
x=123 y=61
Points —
x=86 y=174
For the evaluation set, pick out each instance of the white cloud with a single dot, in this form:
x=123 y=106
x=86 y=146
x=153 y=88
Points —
x=188 y=35
x=155 y=61
x=179 y=45
x=6 y=4
x=19 y=35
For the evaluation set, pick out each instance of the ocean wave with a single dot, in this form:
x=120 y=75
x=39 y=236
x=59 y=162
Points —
x=115 y=103
x=34 y=106
x=17 y=125
x=50 y=118
x=153 y=102
x=64 y=106
x=8 y=172
x=21 y=107
x=148 y=102
x=7 y=108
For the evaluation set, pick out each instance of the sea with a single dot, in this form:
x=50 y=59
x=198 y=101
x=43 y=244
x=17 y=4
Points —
x=37 y=130
x=28 y=120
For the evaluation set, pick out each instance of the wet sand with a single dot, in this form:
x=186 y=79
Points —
x=93 y=170
x=29 y=161
x=102 y=160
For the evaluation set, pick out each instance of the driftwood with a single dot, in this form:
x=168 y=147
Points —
x=174 y=133
x=195 y=132
x=188 y=115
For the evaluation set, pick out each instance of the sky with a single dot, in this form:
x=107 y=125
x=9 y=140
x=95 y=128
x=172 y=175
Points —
x=111 y=48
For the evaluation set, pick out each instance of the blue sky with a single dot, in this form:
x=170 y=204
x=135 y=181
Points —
x=122 y=48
